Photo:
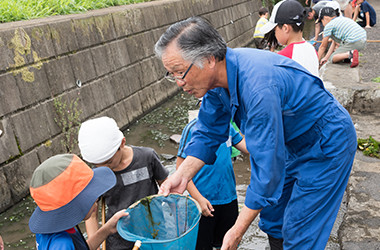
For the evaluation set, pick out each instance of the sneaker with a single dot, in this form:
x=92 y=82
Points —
x=355 y=59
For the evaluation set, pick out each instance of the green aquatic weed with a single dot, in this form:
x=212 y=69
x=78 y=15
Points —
x=370 y=147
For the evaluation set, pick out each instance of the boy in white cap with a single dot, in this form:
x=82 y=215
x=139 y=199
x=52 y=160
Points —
x=287 y=19
x=137 y=170
x=66 y=190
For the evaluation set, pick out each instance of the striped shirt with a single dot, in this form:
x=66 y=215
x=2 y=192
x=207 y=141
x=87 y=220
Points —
x=260 y=23
x=344 y=30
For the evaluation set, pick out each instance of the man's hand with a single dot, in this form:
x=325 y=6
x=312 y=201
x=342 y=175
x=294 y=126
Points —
x=176 y=183
x=231 y=239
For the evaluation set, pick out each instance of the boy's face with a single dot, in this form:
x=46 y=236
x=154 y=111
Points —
x=282 y=34
x=115 y=162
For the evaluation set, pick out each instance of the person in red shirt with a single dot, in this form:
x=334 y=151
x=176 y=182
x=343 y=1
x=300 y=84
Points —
x=287 y=20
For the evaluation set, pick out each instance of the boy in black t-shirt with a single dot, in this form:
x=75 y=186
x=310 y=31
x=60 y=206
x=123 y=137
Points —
x=138 y=170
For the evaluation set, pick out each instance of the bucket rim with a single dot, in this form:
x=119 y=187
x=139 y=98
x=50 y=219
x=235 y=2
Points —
x=153 y=241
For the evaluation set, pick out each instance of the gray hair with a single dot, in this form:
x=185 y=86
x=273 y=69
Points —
x=196 y=39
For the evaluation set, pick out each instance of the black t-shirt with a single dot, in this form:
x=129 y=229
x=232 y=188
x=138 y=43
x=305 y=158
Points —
x=135 y=182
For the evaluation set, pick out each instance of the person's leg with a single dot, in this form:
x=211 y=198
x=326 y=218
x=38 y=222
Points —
x=312 y=210
x=322 y=174
x=205 y=233
x=225 y=216
x=340 y=57
x=271 y=218
x=275 y=244
x=346 y=51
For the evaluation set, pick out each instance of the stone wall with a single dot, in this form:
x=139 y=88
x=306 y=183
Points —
x=109 y=53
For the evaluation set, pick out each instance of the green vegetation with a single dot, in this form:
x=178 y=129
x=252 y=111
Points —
x=377 y=79
x=370 y=147
x=68 y=120
x=15 y=10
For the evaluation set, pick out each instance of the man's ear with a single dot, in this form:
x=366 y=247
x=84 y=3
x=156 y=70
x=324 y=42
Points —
x=211 y=61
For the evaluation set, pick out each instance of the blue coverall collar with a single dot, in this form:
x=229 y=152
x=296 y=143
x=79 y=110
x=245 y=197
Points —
x=232 y=76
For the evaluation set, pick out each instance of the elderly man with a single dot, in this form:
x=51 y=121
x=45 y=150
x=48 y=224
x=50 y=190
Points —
x=301 y=140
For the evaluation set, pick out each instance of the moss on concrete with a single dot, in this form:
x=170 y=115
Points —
x=21 y=44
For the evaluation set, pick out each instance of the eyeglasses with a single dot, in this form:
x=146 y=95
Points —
x=172 y=78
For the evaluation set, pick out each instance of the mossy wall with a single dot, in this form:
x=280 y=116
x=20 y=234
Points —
x=110 y=52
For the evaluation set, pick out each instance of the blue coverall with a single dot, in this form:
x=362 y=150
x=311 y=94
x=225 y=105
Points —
x=301 y=142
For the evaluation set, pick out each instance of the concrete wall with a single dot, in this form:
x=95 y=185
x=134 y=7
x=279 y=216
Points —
x=111 y=52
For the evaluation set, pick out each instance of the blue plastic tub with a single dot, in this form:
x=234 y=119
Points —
x=161 y=222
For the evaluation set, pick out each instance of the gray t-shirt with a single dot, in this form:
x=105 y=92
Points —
x=136 y=181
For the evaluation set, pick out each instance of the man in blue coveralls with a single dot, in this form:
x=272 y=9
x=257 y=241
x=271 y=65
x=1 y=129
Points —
x=301 y=140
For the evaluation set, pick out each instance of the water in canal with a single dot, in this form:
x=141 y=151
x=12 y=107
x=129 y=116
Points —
x=153 y=130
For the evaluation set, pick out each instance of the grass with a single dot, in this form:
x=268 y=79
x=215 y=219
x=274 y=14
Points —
x=16 y=10
x=377 y=79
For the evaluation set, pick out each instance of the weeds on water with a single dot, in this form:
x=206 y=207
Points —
x=370 y=147
x=15 y=10
x=169 y=119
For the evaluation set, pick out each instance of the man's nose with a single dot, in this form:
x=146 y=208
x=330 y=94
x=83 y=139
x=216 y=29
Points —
x=180 y=83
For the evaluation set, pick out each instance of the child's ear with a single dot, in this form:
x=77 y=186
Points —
x=287 y=28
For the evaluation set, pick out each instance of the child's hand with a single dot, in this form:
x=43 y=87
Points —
x=206 y=207
x=323 y=61
x=111 y=223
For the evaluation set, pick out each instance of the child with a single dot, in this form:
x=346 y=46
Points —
x=287 y=19
x=65 y=190
x=366 y=13
x=258 y=37
x=137 y=170
x=343 y=31
x=313 y=13
x=214 y=188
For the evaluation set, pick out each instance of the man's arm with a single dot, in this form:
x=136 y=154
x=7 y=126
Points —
x=177 y=182
x=233 y=236
x=206 y=206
